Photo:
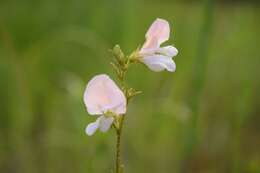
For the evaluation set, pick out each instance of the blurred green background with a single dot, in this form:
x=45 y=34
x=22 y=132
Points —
x=204 y=118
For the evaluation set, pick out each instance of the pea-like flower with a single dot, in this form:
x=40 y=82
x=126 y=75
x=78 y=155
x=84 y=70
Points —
x=103 y=97
x=155 y=57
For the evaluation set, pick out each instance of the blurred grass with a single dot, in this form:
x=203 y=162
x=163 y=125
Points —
x=50 y=49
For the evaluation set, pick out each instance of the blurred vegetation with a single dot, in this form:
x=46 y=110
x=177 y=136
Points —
x=204 y=118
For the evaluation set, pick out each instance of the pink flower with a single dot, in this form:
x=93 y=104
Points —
x=155 y=57
x=103 y=97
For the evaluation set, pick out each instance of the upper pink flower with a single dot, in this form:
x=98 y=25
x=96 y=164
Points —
x=155 y=57
x=101 y=96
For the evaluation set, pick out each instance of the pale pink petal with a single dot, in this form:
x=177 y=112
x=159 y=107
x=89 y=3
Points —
x=105 y=123
x=150 y=44
x=168 y=51
x=159 y=63
x=92 y=127
x=158 y=32
x=102 y=94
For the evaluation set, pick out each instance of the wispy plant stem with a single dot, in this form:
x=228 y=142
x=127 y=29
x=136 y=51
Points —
x=121 y=65
x=119 y=165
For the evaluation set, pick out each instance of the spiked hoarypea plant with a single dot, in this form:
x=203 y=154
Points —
x=103 y=98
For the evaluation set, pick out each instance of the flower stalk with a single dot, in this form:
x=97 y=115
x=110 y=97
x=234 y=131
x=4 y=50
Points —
x=119 y=165
x=121 y=65
x=102 y=96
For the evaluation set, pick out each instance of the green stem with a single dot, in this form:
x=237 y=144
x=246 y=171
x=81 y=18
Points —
x=118 y=157
x=121 y=66
x=118 y=147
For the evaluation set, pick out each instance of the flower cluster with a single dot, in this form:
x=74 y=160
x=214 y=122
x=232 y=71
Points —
x=104 y=98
